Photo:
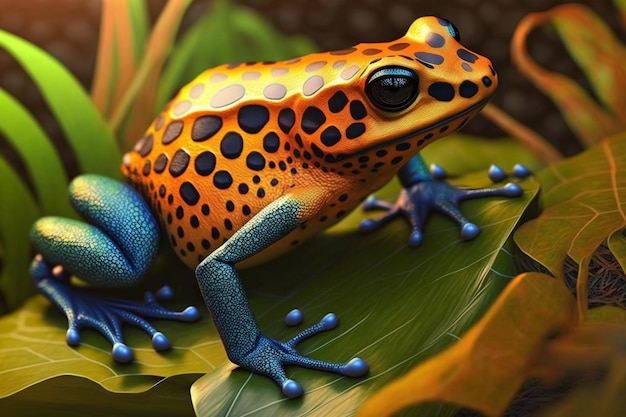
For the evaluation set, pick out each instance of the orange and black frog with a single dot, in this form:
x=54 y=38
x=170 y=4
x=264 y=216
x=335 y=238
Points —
x=251 y=159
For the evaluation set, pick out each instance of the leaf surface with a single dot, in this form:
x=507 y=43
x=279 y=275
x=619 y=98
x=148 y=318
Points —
x=585 y=204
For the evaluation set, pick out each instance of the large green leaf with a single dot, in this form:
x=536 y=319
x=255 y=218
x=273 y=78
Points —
x=585 y=202
x=82 y=125
x=397 y=306
x=19 y=210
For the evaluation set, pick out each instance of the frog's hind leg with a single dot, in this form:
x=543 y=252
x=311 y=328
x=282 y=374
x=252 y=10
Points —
x=114 y=249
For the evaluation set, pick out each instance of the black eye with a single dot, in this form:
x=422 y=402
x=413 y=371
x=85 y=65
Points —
x=392 y=88
x=454 y=32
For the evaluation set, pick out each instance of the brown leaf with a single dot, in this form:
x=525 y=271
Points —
x=585 y=203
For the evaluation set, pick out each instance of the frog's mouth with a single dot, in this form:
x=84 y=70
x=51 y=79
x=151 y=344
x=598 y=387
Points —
x=439 y=124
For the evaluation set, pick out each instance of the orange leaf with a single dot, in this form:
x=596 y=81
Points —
x=599 y=54
x=141 y=93
x=485 y=369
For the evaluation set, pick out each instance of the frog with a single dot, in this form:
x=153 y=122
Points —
x=250 y=160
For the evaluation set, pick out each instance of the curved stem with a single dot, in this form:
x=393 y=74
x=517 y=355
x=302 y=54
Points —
x=529 y=138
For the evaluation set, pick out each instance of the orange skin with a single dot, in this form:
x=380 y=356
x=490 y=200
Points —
x=333 y=179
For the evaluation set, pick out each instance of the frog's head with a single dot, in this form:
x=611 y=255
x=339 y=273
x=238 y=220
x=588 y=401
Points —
x=395 y=98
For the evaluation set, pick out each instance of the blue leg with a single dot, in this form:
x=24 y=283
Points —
x=225 y=297
x=114 y=249
x=424 y=191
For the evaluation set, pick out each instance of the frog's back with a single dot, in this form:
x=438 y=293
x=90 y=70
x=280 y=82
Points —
x=226 y=146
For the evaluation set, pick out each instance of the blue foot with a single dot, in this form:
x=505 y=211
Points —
x=271 y=356
x=416 y=201
x=84 y=308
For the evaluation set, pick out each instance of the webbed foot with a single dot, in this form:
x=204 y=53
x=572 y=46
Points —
x=85 y=308
x=421 y=197
x=270 y=356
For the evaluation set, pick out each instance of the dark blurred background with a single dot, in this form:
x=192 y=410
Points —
x=68 y=29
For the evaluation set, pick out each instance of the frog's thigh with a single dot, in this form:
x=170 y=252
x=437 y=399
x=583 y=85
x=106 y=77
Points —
x=117 y=245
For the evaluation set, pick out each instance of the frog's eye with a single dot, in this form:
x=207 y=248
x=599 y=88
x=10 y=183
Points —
x=454 y=32
x=392 y=88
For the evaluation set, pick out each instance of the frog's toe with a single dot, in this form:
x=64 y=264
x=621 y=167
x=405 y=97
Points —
x=160 y=342
x=356 y=368
x=416 y=238
x=122 y=353
x=512 y=190
x=328 y=322
x=521 y=171
x=469 y=231
x=292 y=389
x=438 y=172
x=294 y=317
x=72 y=337
x=496 y=174
x=369 y=225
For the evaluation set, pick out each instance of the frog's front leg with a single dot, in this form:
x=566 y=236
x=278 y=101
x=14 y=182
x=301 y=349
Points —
x=422 y=193
x=114 y=249
x=225 y=297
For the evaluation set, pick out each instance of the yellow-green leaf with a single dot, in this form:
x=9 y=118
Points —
x=585 y=203
x=485 y=369
x=20 y=211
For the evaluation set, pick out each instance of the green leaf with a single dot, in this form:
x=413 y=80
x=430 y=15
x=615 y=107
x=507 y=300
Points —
x=585 y=201
x=83 y=127
x=19 y=211
x=397 y=306
x=41 y=158
x=139 y=25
